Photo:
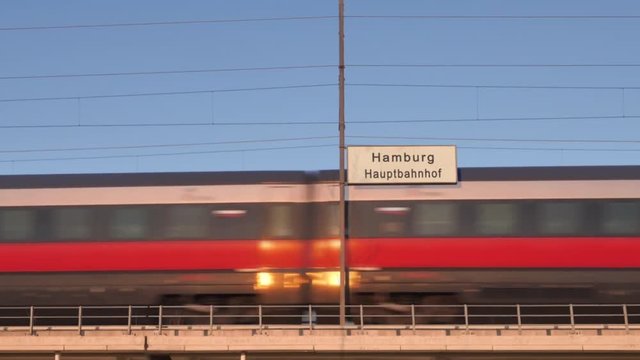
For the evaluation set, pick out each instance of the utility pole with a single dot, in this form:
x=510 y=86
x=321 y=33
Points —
x=344 y=278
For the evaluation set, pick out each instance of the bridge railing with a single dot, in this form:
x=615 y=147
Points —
x=260 y=317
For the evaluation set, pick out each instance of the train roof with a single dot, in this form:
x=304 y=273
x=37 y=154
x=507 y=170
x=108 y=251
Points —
x=298 y=177
x=626 y=172
x=151 y=179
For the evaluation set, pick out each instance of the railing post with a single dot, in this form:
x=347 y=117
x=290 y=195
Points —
x=210 y=319
x=361 y=316
x=129 y=319
x=519 y=318
x=260 y=317
x=310 y=310
x=573 y=322
x=31 y=320
x=466 y=317
x=160 y=319
x=626 y=317
x=79 y=320
x=413 y=318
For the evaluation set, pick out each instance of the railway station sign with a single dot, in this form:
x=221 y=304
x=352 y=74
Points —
x=402 y=165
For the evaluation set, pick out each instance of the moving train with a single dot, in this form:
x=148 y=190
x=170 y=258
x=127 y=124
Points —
x=501 y=235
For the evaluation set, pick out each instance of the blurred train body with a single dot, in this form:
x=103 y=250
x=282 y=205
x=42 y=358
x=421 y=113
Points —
x=501 y=235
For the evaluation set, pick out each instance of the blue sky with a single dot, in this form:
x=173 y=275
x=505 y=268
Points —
x=496 y=115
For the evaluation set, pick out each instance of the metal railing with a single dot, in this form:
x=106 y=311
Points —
x=260 y=317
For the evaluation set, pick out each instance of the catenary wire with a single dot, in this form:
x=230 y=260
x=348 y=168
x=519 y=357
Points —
x=486 y=65
x=163 y=23
x=354 y=122
x=301 y=67
x=267 y=88
x=472 y=86
x=317 y=138
x=321 y=17
x=582 y=141
x=492 y=17
x=302 y=86
x=168 y=145
x=304 y=147
x=169 y=154
x=165 y=72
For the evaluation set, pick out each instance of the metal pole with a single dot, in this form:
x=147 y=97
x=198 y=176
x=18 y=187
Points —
x=413 y=318
x=260 y=317
x=31 y=320
x=130 y=312
x=361 y=316
x=626 y=317
x=310 y=318
x=466 y=317
x=56 y=356
x=210 y=319
x=344 y=278
x=573 y=321
x=160 y=319
x=519 y=318
x=80 y=320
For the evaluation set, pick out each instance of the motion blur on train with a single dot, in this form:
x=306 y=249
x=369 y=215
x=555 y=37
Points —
x=501 y=235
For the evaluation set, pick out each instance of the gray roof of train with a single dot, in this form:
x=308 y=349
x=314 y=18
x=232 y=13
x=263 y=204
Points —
x=256 y=177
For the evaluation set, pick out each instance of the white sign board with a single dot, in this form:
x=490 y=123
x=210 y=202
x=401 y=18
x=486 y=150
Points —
x=402 y=165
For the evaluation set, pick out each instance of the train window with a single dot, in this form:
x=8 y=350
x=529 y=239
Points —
x=235 y=222
x=129 y=223
x=496 y=218
x=17 y=224
x=436 y=218
x=325 y=220
x=187 y=222
x=621 y=218
x=280 y=224
x=72 y=223
x=559 y=218
x=392 y=220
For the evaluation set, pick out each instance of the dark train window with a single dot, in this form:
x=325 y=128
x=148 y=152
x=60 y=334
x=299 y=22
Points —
x=496 y=219
x=235 y=222
x=559 y=218
x=129 y=223
x=436 y=218
x=620 y=218
x=17 y=224
x=392 y=220
x=280 y=222
x=187 y=222
x=72 y=223
x=328 y=220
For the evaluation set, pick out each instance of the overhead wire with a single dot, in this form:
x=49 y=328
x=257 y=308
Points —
x=323 y=122
x=298 y=67
x=168 y=145
x=506 y=65
x=319 y=17
x=475 y=86
x=492 y=17
x=496 y=139
x=266 y=88
x=165 y=72
x=170 y=154
x=164 y=23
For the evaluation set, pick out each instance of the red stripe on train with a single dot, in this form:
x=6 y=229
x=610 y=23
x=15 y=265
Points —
x=151 y=255
x=296 y=254
x=560 y=252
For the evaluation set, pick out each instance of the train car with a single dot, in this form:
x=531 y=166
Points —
x=501 y=235
x=98 y=239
